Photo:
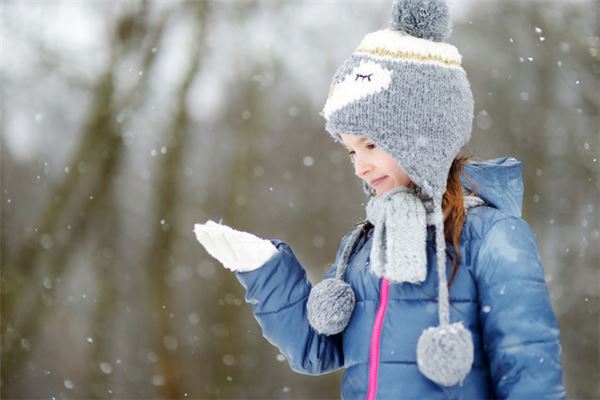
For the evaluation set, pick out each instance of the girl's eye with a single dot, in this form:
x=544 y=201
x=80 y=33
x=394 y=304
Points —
x=370 y=146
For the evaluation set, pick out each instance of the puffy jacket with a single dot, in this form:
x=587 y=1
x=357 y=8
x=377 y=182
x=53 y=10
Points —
x=499 y=293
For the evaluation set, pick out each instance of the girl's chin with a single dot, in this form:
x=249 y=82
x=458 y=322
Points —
x=381 y=190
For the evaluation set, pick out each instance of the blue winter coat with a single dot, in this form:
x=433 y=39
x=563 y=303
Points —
x=499 y=293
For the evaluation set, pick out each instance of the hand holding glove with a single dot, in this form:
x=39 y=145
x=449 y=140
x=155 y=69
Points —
x=236 y=250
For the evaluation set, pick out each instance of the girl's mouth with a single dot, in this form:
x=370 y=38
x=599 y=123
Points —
x=378 y=181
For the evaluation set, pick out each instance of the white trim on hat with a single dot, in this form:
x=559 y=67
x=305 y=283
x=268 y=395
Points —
x=405 y=46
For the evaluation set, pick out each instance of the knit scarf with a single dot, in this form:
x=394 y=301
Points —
x=400 y=218
x=399 y=250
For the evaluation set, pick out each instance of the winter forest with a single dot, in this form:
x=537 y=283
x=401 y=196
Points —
x=126 y=122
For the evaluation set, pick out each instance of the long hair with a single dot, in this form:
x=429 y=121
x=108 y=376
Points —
x=454 y=210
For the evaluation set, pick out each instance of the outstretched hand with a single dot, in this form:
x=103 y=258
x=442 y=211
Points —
x=236 y=250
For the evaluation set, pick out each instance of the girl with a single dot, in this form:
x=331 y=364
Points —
x=402 y=319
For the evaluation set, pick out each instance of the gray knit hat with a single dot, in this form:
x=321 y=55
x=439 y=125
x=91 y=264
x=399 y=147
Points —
x=405 y=89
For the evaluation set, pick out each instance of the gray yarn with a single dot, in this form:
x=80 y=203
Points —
x=440 y=249
x=330 y=305
x=345 y=256
x=399 y=250
x=331 y=302
x=445 y=353
x=426 y=19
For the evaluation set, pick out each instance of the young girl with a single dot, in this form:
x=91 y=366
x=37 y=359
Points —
x=402 y=319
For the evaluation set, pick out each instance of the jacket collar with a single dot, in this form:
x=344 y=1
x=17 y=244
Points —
x=498 y=182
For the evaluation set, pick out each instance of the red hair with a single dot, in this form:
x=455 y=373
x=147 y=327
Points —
x=454 y=210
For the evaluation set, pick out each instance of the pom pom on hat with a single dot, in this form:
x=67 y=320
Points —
x=330 y=305
x=426 y=19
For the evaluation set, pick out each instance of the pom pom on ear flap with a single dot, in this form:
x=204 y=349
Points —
x=330 y=306
x=445 y=353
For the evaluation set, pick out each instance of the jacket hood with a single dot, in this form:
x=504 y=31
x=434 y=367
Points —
x=498 y=182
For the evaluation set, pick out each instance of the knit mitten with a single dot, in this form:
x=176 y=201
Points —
x=236 y=250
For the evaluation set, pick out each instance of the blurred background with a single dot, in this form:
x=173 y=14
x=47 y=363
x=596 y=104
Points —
x=126 y=122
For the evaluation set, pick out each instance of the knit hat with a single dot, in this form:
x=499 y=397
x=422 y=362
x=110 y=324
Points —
x=404 y=88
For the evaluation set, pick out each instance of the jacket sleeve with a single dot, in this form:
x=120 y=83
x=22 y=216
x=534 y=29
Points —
x=278 y=292
x=521 y=335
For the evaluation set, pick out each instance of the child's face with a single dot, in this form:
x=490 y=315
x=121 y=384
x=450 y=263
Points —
x=371 y=163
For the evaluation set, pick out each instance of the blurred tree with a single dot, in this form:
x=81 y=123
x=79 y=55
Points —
x=73 y=200
x=160 y=261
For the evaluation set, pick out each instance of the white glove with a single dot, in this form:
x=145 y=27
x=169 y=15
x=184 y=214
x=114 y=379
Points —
x=236 y=250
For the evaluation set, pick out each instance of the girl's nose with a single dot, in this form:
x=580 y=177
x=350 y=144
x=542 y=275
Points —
x=361 y=167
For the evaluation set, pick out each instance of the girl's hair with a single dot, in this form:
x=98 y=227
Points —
x=453 y=208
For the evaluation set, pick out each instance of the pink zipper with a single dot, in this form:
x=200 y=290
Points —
x=375 y=338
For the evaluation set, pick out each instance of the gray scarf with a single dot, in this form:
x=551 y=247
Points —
x=399 y=245
x=398 y=216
